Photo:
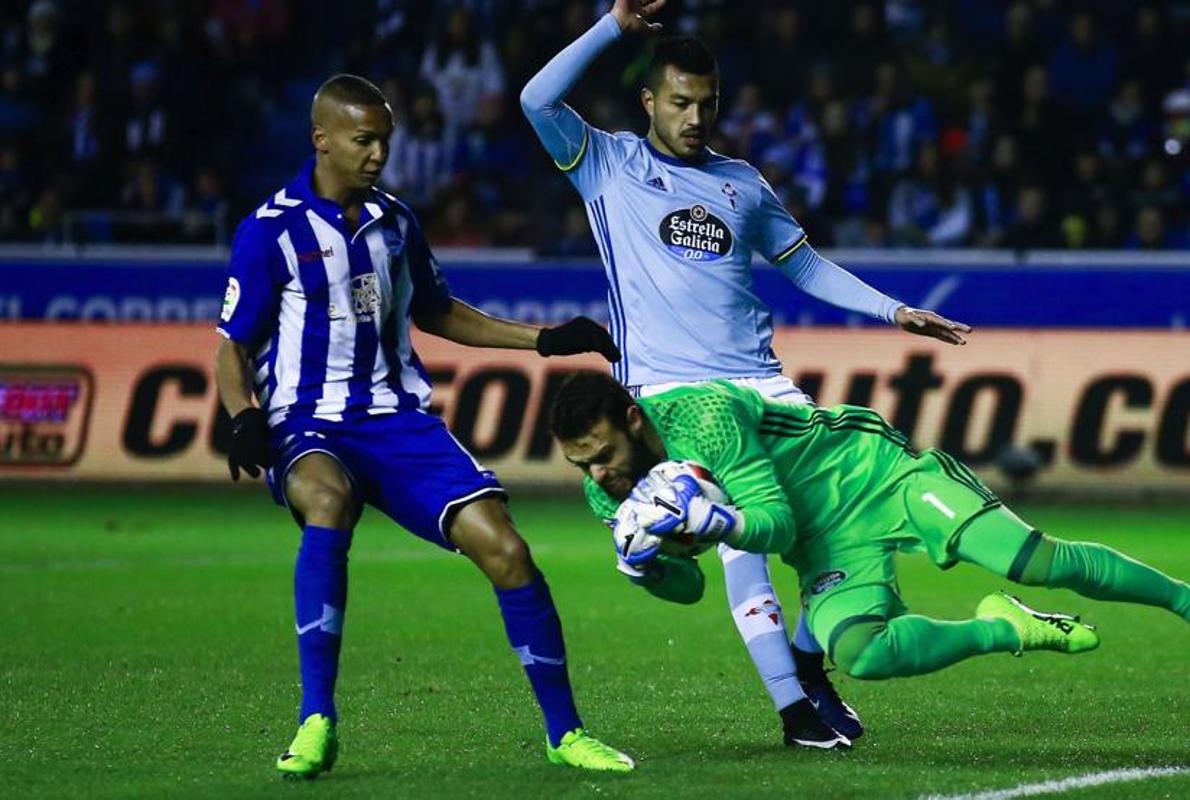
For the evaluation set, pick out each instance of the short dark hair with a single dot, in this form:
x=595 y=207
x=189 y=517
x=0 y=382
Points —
x=685 y=53
x=585 y=398
x=351 y=90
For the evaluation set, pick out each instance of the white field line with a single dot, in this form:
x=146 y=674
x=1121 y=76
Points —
x=1067 y=784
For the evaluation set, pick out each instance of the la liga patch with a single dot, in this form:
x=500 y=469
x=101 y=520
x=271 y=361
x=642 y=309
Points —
x=231 y=299
x=826 y=580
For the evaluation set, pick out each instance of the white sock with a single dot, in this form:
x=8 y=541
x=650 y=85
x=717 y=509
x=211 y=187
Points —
x=758 y=617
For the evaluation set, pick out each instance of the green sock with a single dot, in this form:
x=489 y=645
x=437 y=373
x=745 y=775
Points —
x=913 y=645
x=1102 y=573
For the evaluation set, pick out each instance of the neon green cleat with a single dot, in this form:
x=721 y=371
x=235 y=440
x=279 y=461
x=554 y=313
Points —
x=580 y=749
x=1039 y=630
x=313 y=749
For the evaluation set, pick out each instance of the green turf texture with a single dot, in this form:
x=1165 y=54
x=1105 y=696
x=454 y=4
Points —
x=148 y=651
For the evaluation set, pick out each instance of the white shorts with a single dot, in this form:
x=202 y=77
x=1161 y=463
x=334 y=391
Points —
x=774 y=387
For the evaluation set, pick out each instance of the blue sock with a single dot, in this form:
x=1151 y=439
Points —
x=535 y=633
x=320 y=598
x=804 y=640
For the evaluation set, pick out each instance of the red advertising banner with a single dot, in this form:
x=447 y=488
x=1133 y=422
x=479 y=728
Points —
x=1102 y=410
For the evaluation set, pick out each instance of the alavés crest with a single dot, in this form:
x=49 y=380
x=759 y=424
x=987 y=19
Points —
x=696 y=234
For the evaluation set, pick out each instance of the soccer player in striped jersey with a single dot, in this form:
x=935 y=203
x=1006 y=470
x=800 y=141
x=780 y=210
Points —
x=836 y=493
x=677 y=226
x=324 y=279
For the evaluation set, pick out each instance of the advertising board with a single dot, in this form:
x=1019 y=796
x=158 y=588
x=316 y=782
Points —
x=1100 y=409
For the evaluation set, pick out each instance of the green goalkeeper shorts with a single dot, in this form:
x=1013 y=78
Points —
x=848 y=572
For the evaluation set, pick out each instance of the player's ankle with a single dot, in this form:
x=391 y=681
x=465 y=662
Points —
x=810 y=665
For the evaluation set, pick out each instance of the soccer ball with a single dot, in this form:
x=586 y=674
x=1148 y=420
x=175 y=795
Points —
x=640 y=510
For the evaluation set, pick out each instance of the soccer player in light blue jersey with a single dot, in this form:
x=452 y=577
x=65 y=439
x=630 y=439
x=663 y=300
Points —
x=325 y=278
x=677 y=226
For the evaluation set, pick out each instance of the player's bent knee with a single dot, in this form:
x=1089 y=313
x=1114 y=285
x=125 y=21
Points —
x=861 y=650
x=511 y=552
x=506 y=562
x=325 y=503
x=317 y=489
x=328 y=503
x=873 y=663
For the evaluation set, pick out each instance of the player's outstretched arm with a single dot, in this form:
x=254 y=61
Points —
x=464 y=324
x=781 y=240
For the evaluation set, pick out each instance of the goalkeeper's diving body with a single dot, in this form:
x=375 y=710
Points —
x=677 y=226
x=835 y=492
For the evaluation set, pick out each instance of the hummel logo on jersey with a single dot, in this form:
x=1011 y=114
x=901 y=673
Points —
x=281 y=199
x=314 y=255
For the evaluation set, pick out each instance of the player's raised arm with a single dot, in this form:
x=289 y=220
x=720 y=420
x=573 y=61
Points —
x=567 y=138
x=783 y=242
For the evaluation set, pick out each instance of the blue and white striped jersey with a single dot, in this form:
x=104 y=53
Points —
x=677 y=240
x=324 y=310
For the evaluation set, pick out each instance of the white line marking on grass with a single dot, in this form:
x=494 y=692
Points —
x=1067 y=784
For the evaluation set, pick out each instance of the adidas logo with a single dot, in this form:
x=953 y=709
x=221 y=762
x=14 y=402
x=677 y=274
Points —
x=656 y=183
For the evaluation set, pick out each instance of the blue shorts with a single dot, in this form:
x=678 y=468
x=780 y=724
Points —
x=406 y=464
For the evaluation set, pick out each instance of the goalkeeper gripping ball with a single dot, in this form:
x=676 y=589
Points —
x=648 y=505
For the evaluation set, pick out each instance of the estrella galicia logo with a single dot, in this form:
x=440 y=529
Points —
x=826 y=580
x=696 y=234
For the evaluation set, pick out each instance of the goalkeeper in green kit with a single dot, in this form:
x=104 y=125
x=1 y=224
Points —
x=835 y=492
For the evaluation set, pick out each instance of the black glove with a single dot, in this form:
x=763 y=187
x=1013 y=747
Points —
x=249 y=443
x=579 y=335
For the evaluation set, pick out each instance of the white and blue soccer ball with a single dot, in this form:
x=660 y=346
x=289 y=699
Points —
x=652 y=500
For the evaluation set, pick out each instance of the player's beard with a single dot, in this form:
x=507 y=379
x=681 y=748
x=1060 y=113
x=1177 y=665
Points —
x=641 y=459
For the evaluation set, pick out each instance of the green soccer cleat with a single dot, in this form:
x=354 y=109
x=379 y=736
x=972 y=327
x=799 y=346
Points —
x=313 y=749
x=1039 y=630
x=580 y=749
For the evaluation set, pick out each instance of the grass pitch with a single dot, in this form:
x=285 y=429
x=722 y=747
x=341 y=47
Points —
x=148 y=651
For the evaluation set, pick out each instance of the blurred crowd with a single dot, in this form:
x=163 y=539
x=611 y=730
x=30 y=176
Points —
x=898 y=123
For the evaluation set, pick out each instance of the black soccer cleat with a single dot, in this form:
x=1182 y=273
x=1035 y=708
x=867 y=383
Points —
x=818 y=687
x=803 y=728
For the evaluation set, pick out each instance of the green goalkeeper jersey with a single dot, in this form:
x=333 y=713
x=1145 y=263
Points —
x=800 y=474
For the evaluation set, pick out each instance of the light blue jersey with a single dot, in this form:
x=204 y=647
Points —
x=677 y=240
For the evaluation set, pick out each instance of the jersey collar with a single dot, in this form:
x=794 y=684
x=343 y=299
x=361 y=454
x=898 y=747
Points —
x=375 y=205
x=677 y=162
